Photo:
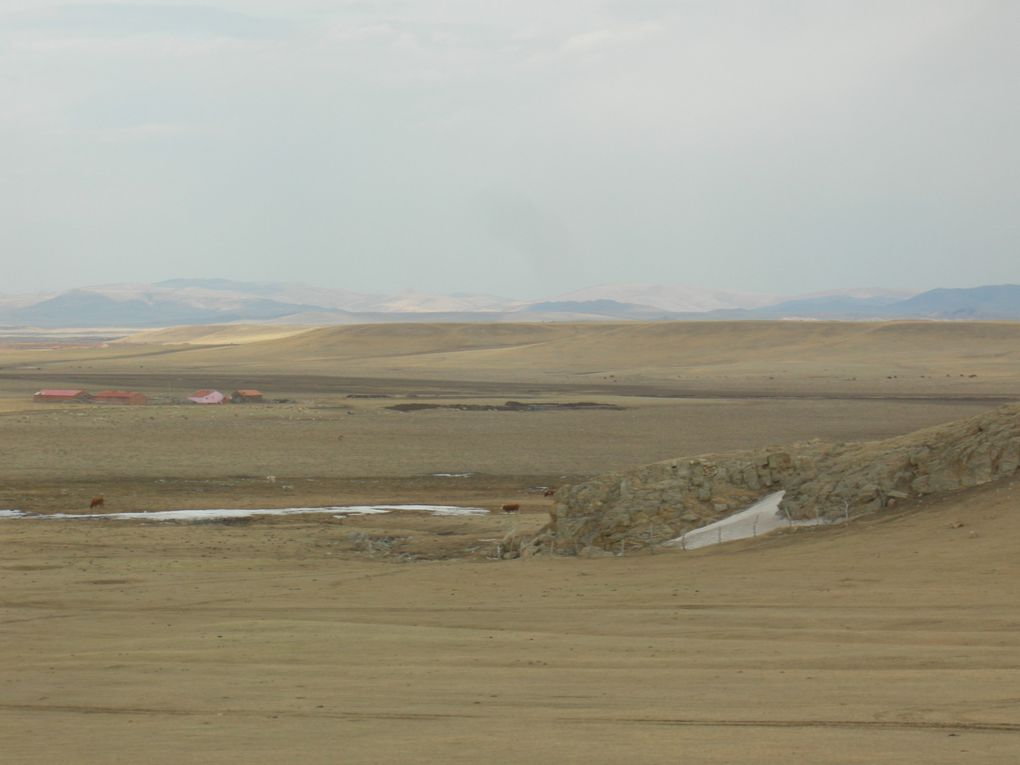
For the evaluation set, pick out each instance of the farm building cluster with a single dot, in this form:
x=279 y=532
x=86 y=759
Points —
x=130 y=397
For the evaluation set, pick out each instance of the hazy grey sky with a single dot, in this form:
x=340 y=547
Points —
x=520 y=148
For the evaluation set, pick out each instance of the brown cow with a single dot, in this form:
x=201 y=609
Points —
x=512 y=507
x=96 y=502
x=549 y=493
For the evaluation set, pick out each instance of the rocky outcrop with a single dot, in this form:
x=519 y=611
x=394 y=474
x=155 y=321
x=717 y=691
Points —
x=661 y=501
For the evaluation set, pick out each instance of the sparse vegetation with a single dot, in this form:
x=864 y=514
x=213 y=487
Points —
x=405 y=616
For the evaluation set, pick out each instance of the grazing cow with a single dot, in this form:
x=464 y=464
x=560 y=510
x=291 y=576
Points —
x=96 y=502
x=549 y=493
x=512 y=507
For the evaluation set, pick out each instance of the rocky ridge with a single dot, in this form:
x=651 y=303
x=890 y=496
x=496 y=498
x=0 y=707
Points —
x=661 y=501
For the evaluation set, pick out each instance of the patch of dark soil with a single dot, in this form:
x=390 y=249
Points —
x=510 y=406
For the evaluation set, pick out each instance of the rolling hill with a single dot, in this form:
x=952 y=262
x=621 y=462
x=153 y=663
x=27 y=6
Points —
x=870 y=359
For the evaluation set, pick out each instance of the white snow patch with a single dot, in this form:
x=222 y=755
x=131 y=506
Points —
x=763 y=517
x=211 y=515
x=452 y=475
x=433 y=509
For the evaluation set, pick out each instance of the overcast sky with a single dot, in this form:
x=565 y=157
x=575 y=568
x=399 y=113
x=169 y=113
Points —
x=519 y=148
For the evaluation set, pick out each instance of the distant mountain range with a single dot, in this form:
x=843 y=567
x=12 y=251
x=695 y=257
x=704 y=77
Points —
x=219 y=301
x=678 y=298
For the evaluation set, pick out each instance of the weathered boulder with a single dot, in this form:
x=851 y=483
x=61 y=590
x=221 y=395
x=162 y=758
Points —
x=663 y=500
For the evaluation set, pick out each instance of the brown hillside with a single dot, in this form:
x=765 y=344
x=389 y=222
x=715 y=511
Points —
x=661 y=501
x=637 y=350
x=897 y=360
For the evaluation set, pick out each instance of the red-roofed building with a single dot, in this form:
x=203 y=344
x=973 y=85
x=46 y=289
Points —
x=246 y=396
x=50 y=395
x=120 y=397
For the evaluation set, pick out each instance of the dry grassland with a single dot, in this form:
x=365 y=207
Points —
x=396 y=639
x=894 y=640
x=784 y=358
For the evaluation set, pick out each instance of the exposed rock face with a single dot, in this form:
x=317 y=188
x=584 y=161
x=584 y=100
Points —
x=663 y=500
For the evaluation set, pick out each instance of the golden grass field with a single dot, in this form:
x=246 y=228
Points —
x=893 y=639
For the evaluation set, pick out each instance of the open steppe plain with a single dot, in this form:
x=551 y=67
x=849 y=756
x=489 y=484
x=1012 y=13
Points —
x=399 y=638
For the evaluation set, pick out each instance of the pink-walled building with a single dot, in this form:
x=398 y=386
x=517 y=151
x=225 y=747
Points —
x=207 y=397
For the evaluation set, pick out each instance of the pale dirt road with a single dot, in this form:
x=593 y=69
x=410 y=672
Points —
x=895 y=640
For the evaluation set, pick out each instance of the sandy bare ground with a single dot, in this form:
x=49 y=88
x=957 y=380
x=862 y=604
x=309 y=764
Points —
x=893 y=640
x=400 y=638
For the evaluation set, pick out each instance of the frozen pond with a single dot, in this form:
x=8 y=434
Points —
x=220 y=514
x=763 y=517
